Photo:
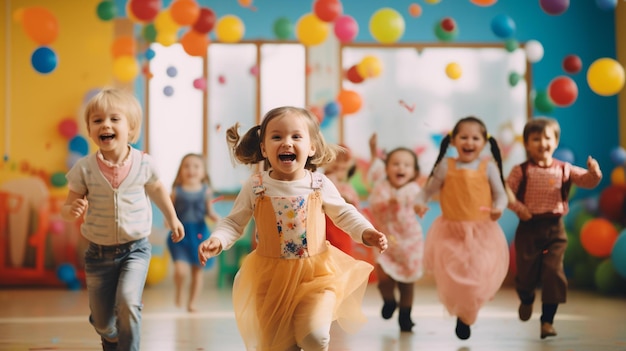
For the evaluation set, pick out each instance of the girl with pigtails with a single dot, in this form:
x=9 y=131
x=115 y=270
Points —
x=465 y=249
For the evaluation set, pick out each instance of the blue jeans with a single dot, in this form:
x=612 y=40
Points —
x=115 y=277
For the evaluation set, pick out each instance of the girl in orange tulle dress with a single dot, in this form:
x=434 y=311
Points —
x=466 y=250
x=292 y=287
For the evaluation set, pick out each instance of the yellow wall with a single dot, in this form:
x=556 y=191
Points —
x=38 y=102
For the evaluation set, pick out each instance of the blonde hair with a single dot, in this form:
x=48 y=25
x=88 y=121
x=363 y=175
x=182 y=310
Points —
x=110 y=98
x=246 y=149
x=179 y=179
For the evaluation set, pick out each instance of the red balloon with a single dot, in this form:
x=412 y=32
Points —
x=563 y=91
x=145 y=10
x=611 y=202
x=448 y=24
x=327 y=10
x=597 y=237
x=205 y=21
x=572 y=64
x=353 y=75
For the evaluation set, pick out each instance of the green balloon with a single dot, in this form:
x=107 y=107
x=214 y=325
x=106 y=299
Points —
x=106 y=10
x=584 y=275
x=443 y=35
x=58 y=180
x=543 y=103
x=606 y=278
x=514 y=78
x=283 y=29
x=149 y=33
x=511 y=45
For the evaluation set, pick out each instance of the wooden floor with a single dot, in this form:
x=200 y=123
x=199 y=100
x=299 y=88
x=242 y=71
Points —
x=56 y=319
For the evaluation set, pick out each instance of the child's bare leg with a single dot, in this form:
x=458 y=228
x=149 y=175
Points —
x=196 y=287
x=180 y=273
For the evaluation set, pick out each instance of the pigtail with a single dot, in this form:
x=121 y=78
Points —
x=443 y=149
x=246 y=149
x=495 y=151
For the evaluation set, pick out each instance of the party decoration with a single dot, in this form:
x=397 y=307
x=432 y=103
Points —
x=543 y=103
x=564 y=154
x=164 y=22
x=503 y=26
x=572 y=64
x=166 y=38
x=185 y=12
x=332 y=109
x=415 y=10
x=448 y=24
x=369 y=67
x=229 y=29
x=149 y=33
x=386 y=25
x=352 y=74
x=106 y=10
x=597 y=236
x=611 y=202
x=454 y=70
x=206 y=21
x=346 y=28
x=606 y=5
x=443 y=34
x=606 y=278
x=125 y=68
x=534 y=51
x=511 y=45
x=554 y=7
x=199 y=83
x=168 y=90
x=563 y=91
x=311 y=31
x=283 y=28
x=58 y=179
x=618 y=254
x=123 y=45
x=79 y=145
x=605 y=76
x=484 y=3
x=44 y=60
x=514 y=78
x=157 y=270
x=194 y=43
x=618 y=156
x=149 y=54
x=350 y=101
x=40 y=25
x=68 y=128
x=144 y=10
x=327 y=10
x=66 y=272
x=618 y=176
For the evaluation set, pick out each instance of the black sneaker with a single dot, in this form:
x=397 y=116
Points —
x=525 y=311
x=108 y=345
x=388 y=308
x=462 y=330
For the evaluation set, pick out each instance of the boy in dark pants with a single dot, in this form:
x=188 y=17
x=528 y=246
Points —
x=541 y=186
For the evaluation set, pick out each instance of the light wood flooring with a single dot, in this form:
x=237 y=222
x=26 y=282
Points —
x=56 y=319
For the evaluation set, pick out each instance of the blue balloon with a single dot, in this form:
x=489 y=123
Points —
x=66 y=272
x=618 y=156
x=44 y=60
x=171 y=71
x=150 y=54
x=332 y=109
x=606 y=5
x=564 y=154
x=79 y=145
x=503 y=26
x=618 y=254
x=508 y=222
x=168 y=91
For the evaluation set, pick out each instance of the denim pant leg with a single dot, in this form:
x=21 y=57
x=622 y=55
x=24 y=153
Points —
x=115 y=280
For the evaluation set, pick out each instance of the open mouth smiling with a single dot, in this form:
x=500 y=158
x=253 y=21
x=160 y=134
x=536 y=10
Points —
x=105 y=137
x=287 y=157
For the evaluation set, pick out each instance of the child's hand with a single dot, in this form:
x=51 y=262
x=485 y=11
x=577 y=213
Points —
x=420 y=209
x=495 y=214
x=525 y=214
x=178 y=231
x=209 y=248
x=593 y=167
x=78 y=208
x=372 y=237
x=373 y=146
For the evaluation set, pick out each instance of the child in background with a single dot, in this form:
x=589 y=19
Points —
x=392 y=201
x=466 y=250
x=112 y=188
x=294 y=284
x=541 y=185
x=339 y=172
x=192 y=197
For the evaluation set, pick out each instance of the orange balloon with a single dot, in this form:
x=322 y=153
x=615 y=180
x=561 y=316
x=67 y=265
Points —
x=350 y=101
x=415 y=10
x=185 y=12
x=40 y=25
x=484 y=3
x=194 y=43
x=123 y=45
x=597 y=237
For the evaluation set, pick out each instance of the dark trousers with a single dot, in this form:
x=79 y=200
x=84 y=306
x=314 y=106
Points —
x=540 y=247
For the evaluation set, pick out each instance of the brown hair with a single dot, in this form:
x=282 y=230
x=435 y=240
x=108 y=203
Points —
x=110 y=98
x=205 y=180
x=539 y=125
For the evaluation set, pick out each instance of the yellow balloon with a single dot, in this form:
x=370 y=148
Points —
x=617 y=176
x=157 y=270
x=229 y=29
x=311 y=31
x=369 y=67
x=166 y=38
x=165 y=22
x=432 y=2
x=125 y=68
x=454 y=71
x=605 y=76
x=387 y=25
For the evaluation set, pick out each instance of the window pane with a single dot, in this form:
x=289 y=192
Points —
x=283 y=74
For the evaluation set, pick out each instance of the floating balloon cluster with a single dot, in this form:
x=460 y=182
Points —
x=41 y=26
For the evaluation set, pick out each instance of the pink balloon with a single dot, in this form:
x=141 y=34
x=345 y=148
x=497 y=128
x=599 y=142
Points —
x=57 y=226
x=199 y=83
x=346 y=28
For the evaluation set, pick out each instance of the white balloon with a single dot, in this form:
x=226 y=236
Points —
x=534 y=51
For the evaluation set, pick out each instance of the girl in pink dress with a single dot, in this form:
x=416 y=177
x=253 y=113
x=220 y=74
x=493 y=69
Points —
x=392 y=201
x=466 y=250
x=292 y=287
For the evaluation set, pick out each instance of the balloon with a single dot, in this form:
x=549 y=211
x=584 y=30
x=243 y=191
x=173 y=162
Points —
x=584 y=274
x=165 y=23
x=611 y=202
x=606 y=278
x=618 y=156
x=123 y=45
x=44 y=60
x=168 y=90
x=369 y=67
x=572 y=64
x=149 y=33
x=106 y=10
x=144 y=10
x=194 y=43
x=346 y=28
x=443 y=34
x=157 y=270
x=149 y=54
x=563 y=91
x=350 y=101
x=58 y=180
x=503 y=26
x=166 y=38
x=605 y=76
x=40 y=25
x=448 y=24
x=618 y=176
x=171 y=71
x=327 y=10
x=386 y=25
x=332 y=109
x=79 y=145
x=618 y=254
x=511 y=45
x=564 y=154
x=199 y=83
x=543 y=103
x=483 y=2
x=311 y=31
x=125 y=68
x=229 y=29
x=205 y=22
x=574 y=251
x=454 y=70
x=68 y=128
x=352 y=74
x=66 y=272
x=57 y=226
x=514 y=78
x=185 y=12
x=283 y=29
x=554 y=7
x=534 y=51
x=597 y=237
x=415 y=10
x=606 y=5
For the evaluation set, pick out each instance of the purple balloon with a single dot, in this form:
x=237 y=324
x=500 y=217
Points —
x=554 y=7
